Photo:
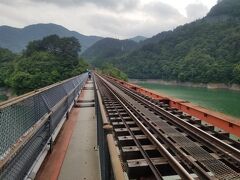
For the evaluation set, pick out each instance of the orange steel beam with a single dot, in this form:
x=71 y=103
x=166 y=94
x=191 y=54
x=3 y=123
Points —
x=219 y=120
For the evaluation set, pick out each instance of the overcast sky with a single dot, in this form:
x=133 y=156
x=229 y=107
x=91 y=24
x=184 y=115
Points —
x=108 y=18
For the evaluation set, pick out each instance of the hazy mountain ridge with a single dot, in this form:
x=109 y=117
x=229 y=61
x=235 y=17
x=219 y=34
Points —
x=16 y=39
x=226 y=8
x=107 y=48
x=138 y=38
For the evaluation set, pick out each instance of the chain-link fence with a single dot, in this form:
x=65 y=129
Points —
x=27 y=123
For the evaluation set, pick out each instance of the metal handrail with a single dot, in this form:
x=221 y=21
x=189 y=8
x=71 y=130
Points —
x=46 y=111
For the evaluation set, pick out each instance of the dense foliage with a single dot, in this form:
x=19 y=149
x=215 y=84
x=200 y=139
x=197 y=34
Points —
x=6 y=65
x=226 y=8
x=110 y=70
x=203 y=51
x=43 y=62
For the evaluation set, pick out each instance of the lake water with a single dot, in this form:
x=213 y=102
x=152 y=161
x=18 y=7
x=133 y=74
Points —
x=3 y=97
x=225 y=101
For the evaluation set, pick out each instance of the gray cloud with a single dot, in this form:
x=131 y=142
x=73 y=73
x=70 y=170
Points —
x=162 y=10
x=152 y=19
x=14 y=2
x=115 y=4
x=97 y=17
x=196 y=11
x=162 y=17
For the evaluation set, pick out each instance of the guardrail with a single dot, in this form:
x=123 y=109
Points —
x=111 y=167
x=30 y=123
x=106 y=171
x=223 y=122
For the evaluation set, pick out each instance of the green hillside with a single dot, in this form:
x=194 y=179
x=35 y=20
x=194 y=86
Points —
x=104 y=50
x=226 y=8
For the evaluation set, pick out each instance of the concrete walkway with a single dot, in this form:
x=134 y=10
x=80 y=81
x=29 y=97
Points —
x=81 y=160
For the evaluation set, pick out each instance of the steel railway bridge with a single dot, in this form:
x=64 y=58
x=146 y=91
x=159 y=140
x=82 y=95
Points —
x=105 y=128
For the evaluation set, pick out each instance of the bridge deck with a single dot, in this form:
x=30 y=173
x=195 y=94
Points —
x=80 y=159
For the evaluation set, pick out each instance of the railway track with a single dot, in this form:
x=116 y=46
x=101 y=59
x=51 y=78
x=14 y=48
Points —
x=158 y=142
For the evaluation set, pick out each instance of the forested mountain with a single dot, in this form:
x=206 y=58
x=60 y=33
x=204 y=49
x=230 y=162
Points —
x=226 y=8
x=16 y=39
x=106 y=49
x=207 y=50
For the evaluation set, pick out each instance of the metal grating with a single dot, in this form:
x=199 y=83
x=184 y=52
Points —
x=218 y=168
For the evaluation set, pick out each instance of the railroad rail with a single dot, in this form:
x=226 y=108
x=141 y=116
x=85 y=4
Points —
x=156 y=141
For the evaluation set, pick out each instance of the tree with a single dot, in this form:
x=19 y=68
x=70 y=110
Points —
x=44 y=62
x=67 y=47
x=6 y=65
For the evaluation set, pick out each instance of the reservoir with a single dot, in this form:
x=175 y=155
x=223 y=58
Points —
x=225 y=101
x=3 y=97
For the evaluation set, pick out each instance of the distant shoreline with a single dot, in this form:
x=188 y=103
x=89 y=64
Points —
x=235 y=87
